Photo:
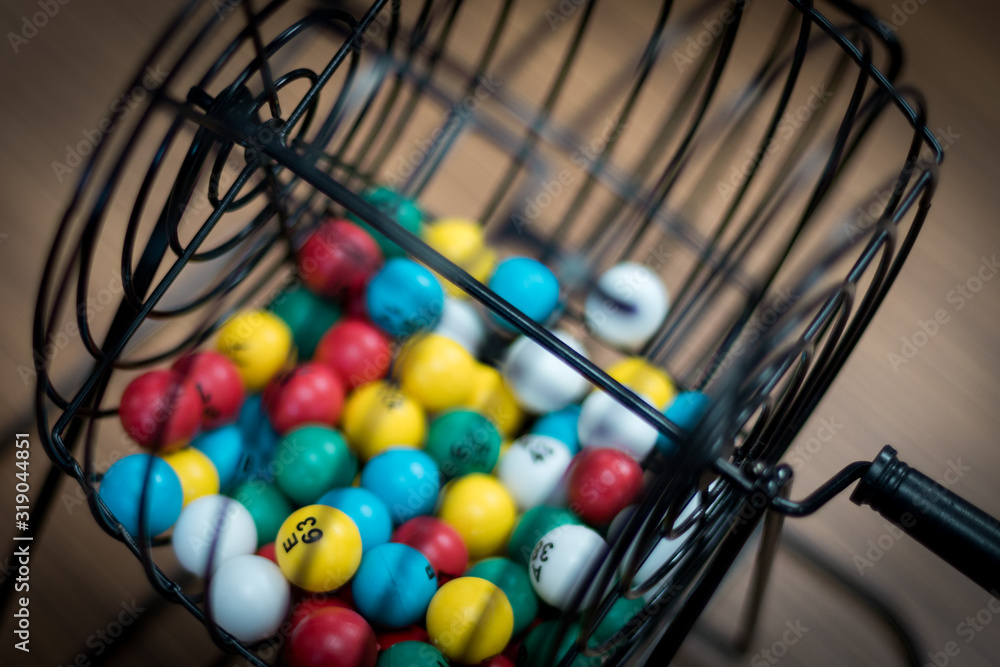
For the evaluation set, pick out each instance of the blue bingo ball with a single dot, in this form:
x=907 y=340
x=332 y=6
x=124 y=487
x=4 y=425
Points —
x=224 y=448
x=407 y=481
x=121 y=490
x=404 y=298
x=394 y=585
x=560 y=425
x=260 y=440
x=686 y=410
x=367 y=510
x=529 y=286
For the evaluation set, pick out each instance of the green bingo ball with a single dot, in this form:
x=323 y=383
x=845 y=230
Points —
x=621 y=612
x=404 y=211
x=307 y=315
x=513 y=580
x=533 y=525
x=310 y=461
x=411 y=654
x=463 y=442
x=539 y=647
x=267 y=505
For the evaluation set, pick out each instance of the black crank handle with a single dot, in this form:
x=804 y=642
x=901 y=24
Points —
x=956 y=530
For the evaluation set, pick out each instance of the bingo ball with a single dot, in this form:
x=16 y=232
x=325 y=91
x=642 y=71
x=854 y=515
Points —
x=602 y=483
x=622 y=611
x=319 y=548
x=266 y=504
x=413 y=633
x=161 y=410
x=249 y=598
x=463 y=442
x=218 y=384
x=686 y=410
x=529 y=286
x=627 y=306
x=661 y=554
x=462 y=242
x=533 y=526
x=404 y=298
x=210 y=531
x=307 y=315
x=394 y=585
x=307 y=606
x=407 y=481
x=412 y=654
x=337 y=258
x=438 y=542
x=645 y=379
x=541 y=381
x=564 y=563
x=260 y=442
x=540 y=647
x=224 y=447
x=122 y=491
x=435 y=371
x=307 y=394
x=481 y=510
x=366 y=510
x=196 y=471
x=356 y=351
x=378 y=416
x=267 y=551
x=604 y=422
x=560 y=425
x=332 y=637
x=259 y=343
x=469 y=619
x=402 y=210
x=513 y=580
x=489 y=395
x=312 y=460
x=532 y=468
x=461 y=323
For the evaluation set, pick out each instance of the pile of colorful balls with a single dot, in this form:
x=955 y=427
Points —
x=357 y=478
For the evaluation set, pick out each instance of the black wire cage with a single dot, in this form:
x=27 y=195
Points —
x=756 y=155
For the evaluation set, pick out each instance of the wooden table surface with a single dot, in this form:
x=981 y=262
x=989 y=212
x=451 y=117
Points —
x=940 y=409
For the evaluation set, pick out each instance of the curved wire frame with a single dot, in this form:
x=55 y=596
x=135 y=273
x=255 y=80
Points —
x=783 y=262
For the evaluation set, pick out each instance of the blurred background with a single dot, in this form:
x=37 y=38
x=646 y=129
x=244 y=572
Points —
x=938 y=407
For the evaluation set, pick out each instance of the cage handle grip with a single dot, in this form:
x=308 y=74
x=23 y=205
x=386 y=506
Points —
x=956 y=530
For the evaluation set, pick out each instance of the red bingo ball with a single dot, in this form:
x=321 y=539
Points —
x=310 y=393
x=304 y=609
x=267 y=551
x=218 y=383
x=337 y=258
x=499 y=660
x=440 y=544
x=414 y=633
x=332 y=637
x=161 y=410
x=603 y=482
x=357 y=352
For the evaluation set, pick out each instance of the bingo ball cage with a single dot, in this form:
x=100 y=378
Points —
x=756 y=156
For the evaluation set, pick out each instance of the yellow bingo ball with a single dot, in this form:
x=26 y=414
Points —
x=318 y=548
x=259 y=343
x=483 y=512
x=435 y=371
x=199 y=476
x=643 y=378
x=469 y=620
x=378 y=416
x=490 y=396
x=462 y=242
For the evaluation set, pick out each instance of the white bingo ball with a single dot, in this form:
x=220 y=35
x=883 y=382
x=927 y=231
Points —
x=604 y=422
x=541 y=381
x=661 y=553
x=249 y=597
x=532 y=468
x=629 y=306
x=461 y=322
x=213 y=528
x=561 y=564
